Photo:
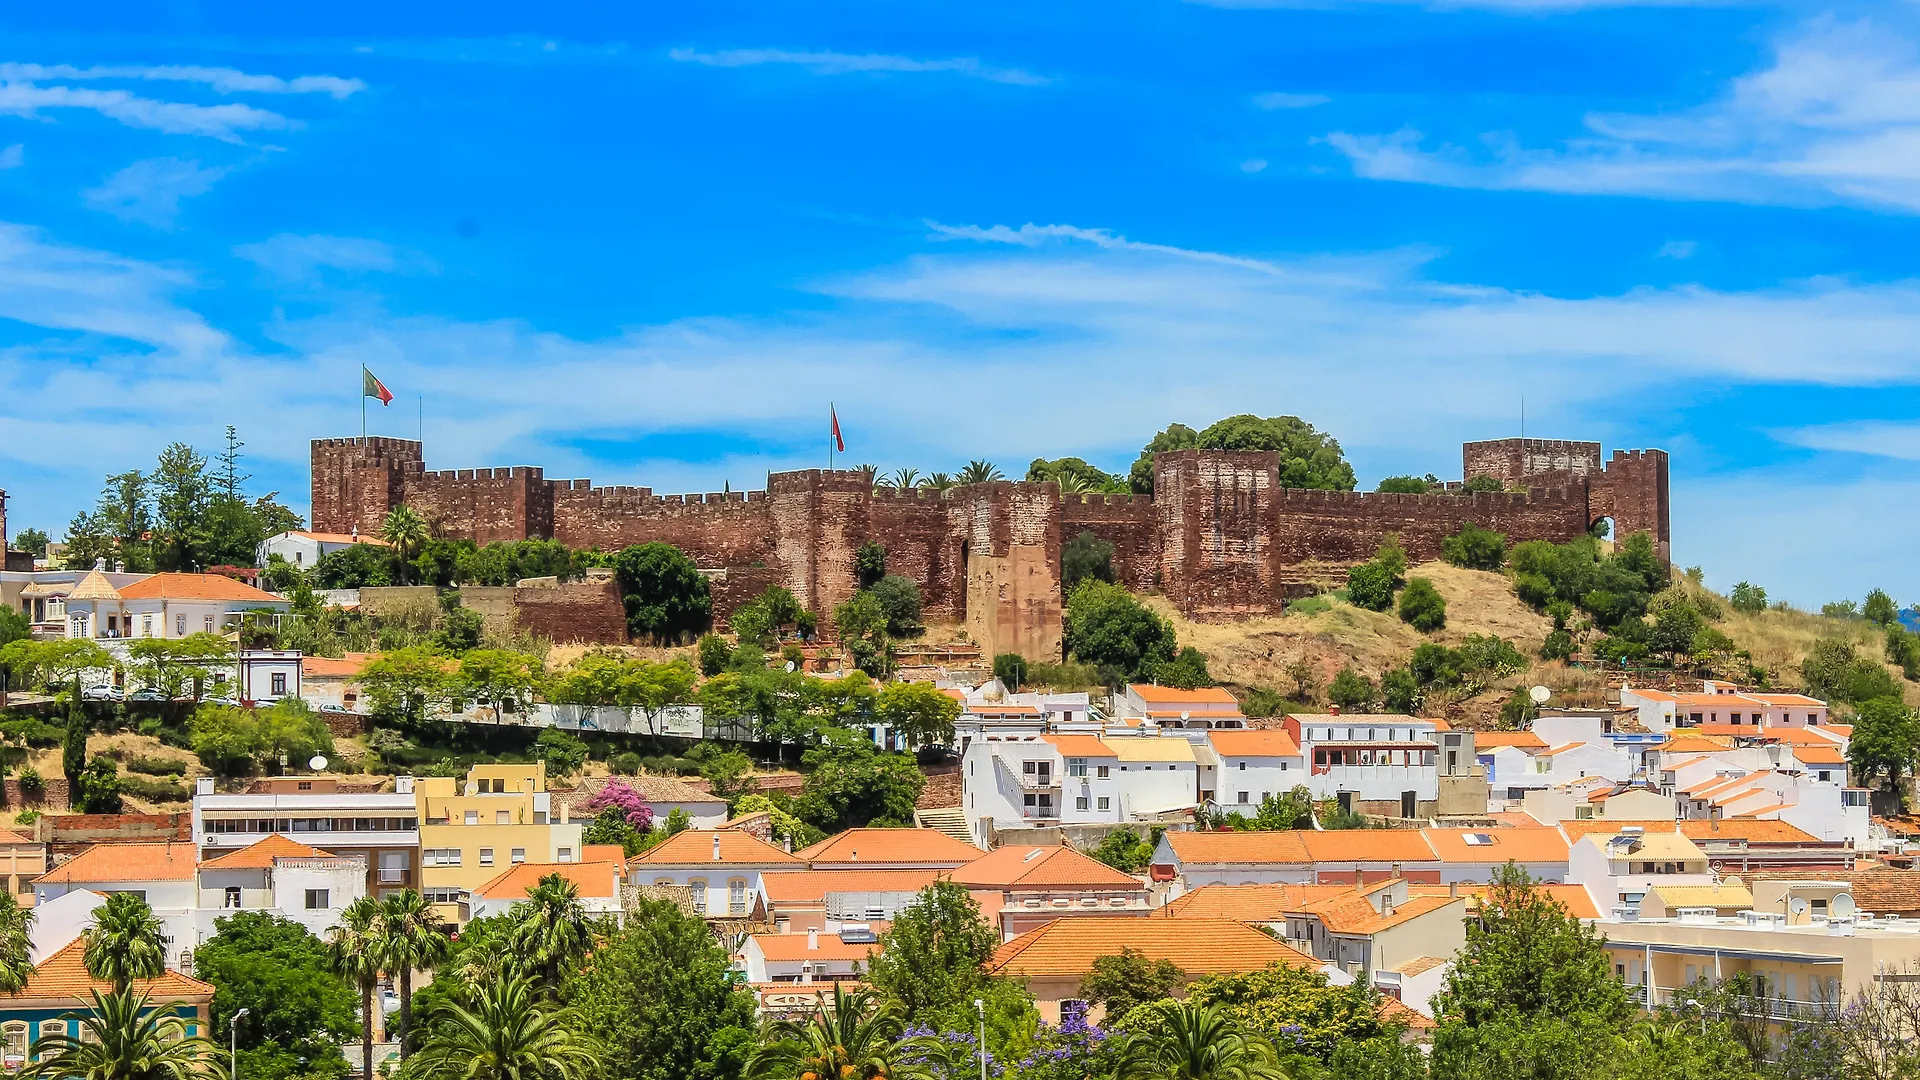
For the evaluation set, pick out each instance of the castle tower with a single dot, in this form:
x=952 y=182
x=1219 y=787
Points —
x=356 y=481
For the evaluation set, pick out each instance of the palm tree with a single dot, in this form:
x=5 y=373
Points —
x=126 y=942
x=412 y=937
x=1198 y=1043
x=407 y=531
x=506 y=1035
x=1072 y=483
x=980 y=472
x=904 y=479
x=124 y=1037
x=851 y=1040
x=553 y=933
x=16 y=944
x=353 y=951
x=938 y=481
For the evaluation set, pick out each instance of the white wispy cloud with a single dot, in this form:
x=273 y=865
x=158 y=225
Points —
x=1875 y=438
x=150 y=191
x=224 y=122
x=223 y=80
x=1279 y=100
x=839 y=63
x=1835 y=118
x=293 y=257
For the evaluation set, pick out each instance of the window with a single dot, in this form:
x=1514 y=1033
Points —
x=736 y=897
x=15 y=1032
x=1477 y=839
x=1077 y=766
x=180 y=625
x=1103 y=771
x=318 y=900
x=565 y=854
x=232 y=900
x=441 y=895
x=448 y=856
x=146 y=626
x=473 y=817
x=279 y=684
x=699 y=888
x=518 y=855
x=1080 y=802
x=209 y=622
x=1244 y=795
x=486 y=856
x=503 y=817
x=1243 y=766
x=49 y=1028
x=1105 y=802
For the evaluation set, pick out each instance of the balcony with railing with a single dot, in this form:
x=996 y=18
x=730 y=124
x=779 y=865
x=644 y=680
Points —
x=1752 y=1007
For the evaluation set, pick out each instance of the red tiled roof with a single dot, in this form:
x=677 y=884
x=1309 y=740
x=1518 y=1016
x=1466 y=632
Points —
x=1268 y=743
x=260 y=854
x=125 y=862
x=1250 y=903
x=883 y=847
x=1209 y=848
x=1068 y=947
x=217 y=587
x=694 y=847
x=785 y=947
x=812 y=886
x=1081 y=746
x=64 y=975
x=1368 y=845
x=1543 y=844
x=595 y=880
x=1023 y=867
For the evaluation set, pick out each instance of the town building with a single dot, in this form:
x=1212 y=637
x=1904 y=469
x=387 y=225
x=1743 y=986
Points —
x=597 y=883
x=1239 y=769
x=499 y=816
x=808 y=956
x=60 y=991
x=303 y=548
x=1382 y=764
x=21 y=860
x=1169 y=707
x=1619 y=868
x=801 y=900
x=721 y=869
x=381 y=828
x=167 y=605
x=1721 y=703
x=1022 y=887
x=296 y=881
x=1014 y=781
x=1379 y=926
x=895 y=849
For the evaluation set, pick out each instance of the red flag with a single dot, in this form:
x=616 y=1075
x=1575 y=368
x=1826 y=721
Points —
x=372 y=387
x=839 y=444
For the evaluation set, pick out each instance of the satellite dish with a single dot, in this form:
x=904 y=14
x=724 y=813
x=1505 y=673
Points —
x=1798 y=907
x=1539 y=694
x=1731 y=881
x=789 y=667
x=318 y=762
x=1185 y=716
x=1841 y=905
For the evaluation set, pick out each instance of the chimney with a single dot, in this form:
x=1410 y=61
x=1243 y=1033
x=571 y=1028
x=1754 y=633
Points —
x=1333 y=710
x=716 y=847
x=787 y=845
x=854 y=855
x=1396 y=870
x=1453 y=890
x=354 y=530
x=813 y=941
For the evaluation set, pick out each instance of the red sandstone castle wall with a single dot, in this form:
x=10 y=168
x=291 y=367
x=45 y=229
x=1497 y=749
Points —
x=1125 y=521
x=1345 y=527
x=483 y=505
x=356 y=481
x=1520 y=463
x=1217 y=530
x=1633 y=491
x=919 y=529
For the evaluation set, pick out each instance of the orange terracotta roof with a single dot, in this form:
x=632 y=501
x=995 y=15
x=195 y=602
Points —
x=1575 y=898
x=1368 y=845
x=995 y=709
x=882 y=847
x=1081 y=746
x=789 y=947
x=1419 y=965
x=1525 y=740
x=1023 y=867
x=1355 y=914
x=1738 y=731
x=1394 y=1011
x=64 y=975
x=1789 y=699
x=260 y=854
x=1650 y=694
x=325 y=667
x=1820 y=755
x=8 y=836
x=694 y=847
x=1068 y=947
x=125 y=862
x=1796 y=736
x=1696 y=744
x=1271 y=743
x=595 y=880
x=1845 y=731
x=1210 y=695
x=812 y=886
x=1574 y=828
x=1542 y=844
x=1881 y=891
x=1210 y=848
x=1440 y=725
x=339 y=538
x=1250 y=903
x=196 y=587
x=612 y=853
x=1684 y=762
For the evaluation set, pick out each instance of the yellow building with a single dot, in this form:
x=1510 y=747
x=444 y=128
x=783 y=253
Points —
x=472 y=830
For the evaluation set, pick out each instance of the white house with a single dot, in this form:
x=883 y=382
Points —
x=1167 y=706
x=162 y=606
x=663 y=795
x=295 y=881
x=721 y=868
x=164 y=875
x=1376 y=764
x=598 y=883
x=1239 y=769
x=1019 y=780
x=1720 y=706
x=1617 y=869
x=303 y=549
x=809 y=957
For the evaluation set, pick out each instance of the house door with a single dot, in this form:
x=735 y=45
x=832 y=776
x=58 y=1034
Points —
x=1346 y=801
x=1407 y=804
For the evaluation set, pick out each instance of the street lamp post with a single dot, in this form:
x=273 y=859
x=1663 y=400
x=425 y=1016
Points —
x=233 y=1047
x=980 y=1006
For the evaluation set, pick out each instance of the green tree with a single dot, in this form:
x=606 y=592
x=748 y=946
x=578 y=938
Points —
x=1370 y=586
x=1475 y=548
x=1400 y=691
x=869 y=564
x=930 y=963
x=405 y=683
x=73 y=748
x=714 y=654
x=1074 y=475
x=126 y=943
x=1124 y=850
x=1186 y=671
x=899 y=597
x=667 y=598
x=1833 y=671
x=1422 y=607
x=980 y=472
x=1308 y=458
x=125 y=1036
x=176 y=666
x=1351 y=690
x=16 y=944
x=1084 y=557
x=360 y=566
x=1296 y=1008
x=407 y=532
x=353 y=952
x=506 y=1034
x=861 y=623
x=1011 y=669
x=298 y=1009
x=98 y=789
x=694 y=1022
x=1175 y=437
x=1880 y=610
x=1518 y=711
x=851 y=784
x=412 y=938
x=181 y=494
x=1108 y=628
x=225 y=738
x=917 y=710
x=1748 y=598
x=552 y=932
x=502 y=678
x=1408 y=485
x=1128 y=979
x=1196 y=1042
x=853 y=1039
x=1482 y=483
x=31 y=541
x=1885 y=742
x=563 y=752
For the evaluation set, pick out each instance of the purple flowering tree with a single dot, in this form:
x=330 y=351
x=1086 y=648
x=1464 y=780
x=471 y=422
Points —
x=945 y=1055
x=619 y=795
x=1076 y=1050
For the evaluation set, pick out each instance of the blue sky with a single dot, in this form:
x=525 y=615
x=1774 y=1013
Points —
x=648 y=244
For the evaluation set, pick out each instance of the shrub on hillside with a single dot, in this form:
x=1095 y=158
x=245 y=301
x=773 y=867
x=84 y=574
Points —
x=1475 y=548
x=1422 y=607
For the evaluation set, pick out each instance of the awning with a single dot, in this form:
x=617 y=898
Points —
x=1731 y=954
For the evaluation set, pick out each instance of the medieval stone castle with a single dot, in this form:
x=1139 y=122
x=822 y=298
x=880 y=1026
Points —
x=1220 y=538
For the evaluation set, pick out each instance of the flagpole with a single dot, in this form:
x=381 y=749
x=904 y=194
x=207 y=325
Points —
x=363 y=403
x=830 y=413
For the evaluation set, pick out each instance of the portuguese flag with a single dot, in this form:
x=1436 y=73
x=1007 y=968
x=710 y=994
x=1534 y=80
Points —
x=374 y=388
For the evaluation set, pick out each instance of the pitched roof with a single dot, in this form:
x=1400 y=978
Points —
x=1081 y=746
x=1696 y=744
x=882 y=847
x=1024 y=867
x=1543 y=844
x=1354 y=913
x=172 y=586
x=1737 y=897
x=94 y=586
x=694 y=847
x=1167 y=695
x=665 y=789
x=812 y=886
x=612 y=853
x=1819 y=755
x=1575 y=898
x=1368 y=845
x=1270 y=743
x=788 y=947
x=595 y=880
x=260 y=854
x=1068 y=947
x=1525 y=740
x=125 y=862
x=1210 y=848
x=326 y=667
x=1168 y=748
x=1561 y=749
x=64 y=975
x=1575 y=828
x=337 y=538
x=1655 y=845
x=1753 y=832
x=1249 y=903
x=1419 y=964
x=1394 y=719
